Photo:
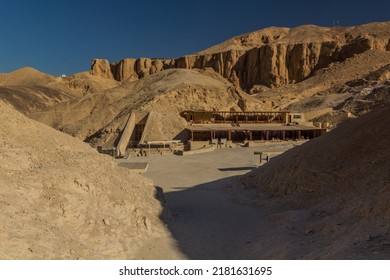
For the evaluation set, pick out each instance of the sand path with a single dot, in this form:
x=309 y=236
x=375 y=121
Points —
x=206 y=222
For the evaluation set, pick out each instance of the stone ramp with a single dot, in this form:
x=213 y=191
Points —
x=148 y=126
x=127 y=132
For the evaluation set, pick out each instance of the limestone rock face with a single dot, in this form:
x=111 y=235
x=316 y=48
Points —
x=270 y=57
x=101 y=67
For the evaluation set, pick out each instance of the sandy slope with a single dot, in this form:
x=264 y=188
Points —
x=28 y=89
x=330 y=195
x=61 y=200
x=100 y=116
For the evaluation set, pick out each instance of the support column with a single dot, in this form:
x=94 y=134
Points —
x=267 y=135
x=284 y=135
x=250 y=135
x=229 y=135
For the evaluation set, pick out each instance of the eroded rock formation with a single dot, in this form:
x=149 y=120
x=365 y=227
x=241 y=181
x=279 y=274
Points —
x=283 y=57
x=101 y=67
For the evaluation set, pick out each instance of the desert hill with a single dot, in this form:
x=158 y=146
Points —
x=28 y=89
x=26 y=76
x=330 y=196
x=102 y=116
x=60 y=199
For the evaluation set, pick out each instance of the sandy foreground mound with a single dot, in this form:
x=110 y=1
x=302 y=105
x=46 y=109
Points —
x=61 y=200
x=330 y=197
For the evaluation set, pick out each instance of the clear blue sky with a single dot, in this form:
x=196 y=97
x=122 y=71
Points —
x=64 y=36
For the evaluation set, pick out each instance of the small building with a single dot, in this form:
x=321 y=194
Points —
x=235 y=117
x=229 y=127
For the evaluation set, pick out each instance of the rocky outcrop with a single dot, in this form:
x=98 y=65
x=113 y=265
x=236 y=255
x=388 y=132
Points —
x=101 y=67
x=273 y=62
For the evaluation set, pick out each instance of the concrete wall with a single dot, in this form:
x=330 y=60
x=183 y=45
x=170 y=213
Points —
x=298 y=117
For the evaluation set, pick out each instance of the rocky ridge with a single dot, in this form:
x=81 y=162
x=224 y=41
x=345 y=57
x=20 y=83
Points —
x=351 y=88
x=270 y=57
x=28 y=89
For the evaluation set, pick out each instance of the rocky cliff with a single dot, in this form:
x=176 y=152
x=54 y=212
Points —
x=270 y=57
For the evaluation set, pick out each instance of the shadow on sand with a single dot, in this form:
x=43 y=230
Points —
x=248 y=168
x=208 y=224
